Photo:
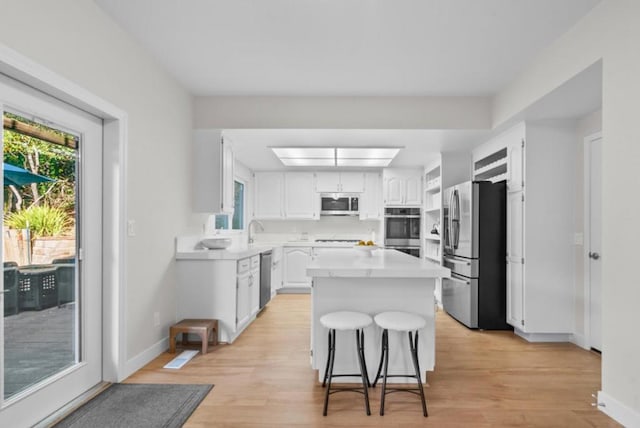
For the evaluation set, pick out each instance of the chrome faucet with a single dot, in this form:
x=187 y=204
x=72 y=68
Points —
x=249 y=229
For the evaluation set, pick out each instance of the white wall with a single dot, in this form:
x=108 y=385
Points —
x=609 y=32
x=76 y=40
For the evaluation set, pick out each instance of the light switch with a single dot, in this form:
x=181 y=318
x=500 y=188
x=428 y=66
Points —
x=131 y=228
x=578 y=238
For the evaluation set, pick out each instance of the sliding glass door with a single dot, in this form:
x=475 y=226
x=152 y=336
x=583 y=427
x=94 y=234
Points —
x=51 y=295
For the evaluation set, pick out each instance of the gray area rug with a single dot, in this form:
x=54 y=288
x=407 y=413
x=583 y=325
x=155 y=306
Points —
x=138 y=405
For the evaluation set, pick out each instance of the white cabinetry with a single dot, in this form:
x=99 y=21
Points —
x=226 y=290
x=288 y=195
x=402 y=187
x=269 y=195
x=345 y=182
x=539 y=164
x=370 y=202
x=301 y=202
x=212 y=172
x=296 y=260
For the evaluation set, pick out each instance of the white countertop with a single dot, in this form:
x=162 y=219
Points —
x=188 y=248
x=382 y=264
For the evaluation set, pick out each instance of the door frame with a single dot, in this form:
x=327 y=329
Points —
x=587 y=236
x=115 y=134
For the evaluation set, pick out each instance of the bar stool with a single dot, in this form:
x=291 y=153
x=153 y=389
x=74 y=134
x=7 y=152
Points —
x=403 y=322
x=344 y=321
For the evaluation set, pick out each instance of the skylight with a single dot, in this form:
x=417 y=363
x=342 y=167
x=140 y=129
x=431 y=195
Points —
x=336 y=156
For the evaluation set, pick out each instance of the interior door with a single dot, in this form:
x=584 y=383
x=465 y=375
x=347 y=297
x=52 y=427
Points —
x=595 y=244
x=66 y=305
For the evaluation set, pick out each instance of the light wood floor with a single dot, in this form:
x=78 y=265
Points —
x=482 y=379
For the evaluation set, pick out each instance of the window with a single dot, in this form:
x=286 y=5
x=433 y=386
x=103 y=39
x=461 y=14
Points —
x=237 y=221
x=238 y=206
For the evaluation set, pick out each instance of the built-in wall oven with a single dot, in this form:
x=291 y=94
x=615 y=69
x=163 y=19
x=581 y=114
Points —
x=402 y=230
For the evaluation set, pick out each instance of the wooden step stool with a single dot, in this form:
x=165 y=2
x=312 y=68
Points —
x=203 y=328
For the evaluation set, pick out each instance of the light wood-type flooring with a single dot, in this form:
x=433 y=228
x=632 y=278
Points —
x=481 y=379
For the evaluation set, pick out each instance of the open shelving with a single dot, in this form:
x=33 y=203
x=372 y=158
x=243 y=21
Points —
x=432 y=213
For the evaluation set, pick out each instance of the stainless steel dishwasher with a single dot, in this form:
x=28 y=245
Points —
x=265 y=278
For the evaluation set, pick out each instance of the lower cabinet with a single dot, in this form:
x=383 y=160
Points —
x=295 y=276
x=226 y=290
x=276 y=269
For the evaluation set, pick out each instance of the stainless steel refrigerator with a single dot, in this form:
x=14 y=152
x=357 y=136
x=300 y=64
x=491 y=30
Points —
x=475 y=251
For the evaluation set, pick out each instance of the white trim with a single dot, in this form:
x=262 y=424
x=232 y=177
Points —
x=23 y=69
x=580 y=340
x=543 y=337
x=586 y=229
x=145 y=357
x=618 y=411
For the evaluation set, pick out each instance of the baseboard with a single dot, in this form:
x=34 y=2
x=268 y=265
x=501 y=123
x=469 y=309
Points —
x=294 y=290
x=580 y=340
x=145 y=357
x=618 y=411
x=543 y=337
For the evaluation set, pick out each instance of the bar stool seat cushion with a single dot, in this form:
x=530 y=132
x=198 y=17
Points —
x=400 y=321
x=345 y=320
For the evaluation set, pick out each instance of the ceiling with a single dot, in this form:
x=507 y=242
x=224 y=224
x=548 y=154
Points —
x=355 y=48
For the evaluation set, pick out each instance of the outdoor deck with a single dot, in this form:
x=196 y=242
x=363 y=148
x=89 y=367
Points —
x=37 y=345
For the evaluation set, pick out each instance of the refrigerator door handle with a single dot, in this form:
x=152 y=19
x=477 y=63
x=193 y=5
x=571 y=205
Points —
x=455 y=219
x=457 y=261
x=461 y=281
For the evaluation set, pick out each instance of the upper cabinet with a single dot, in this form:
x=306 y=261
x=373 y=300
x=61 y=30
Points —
x=345 y=182
x=301 y=202
x=212 y=172
x=370 y=203
x=289 y=195
x=402 y=187
x=269 y=195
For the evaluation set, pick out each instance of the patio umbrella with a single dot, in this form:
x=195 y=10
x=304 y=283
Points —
x=19 y=176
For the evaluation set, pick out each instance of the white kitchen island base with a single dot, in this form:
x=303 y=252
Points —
x=372 y=296
x=389 y=281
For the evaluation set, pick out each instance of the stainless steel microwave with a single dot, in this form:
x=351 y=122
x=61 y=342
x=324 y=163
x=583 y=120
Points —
x=339 y=204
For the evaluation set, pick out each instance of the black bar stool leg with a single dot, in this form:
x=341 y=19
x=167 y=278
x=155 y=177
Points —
x=366 y=372
x=326 y=370
x=375 y=381
x=385 y=350
x=363 y=371
x=414 y=356
x=332 y=353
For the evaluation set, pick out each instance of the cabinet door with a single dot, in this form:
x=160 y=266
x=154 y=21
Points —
x=296 y=260
x=515 y=167
x=413 y=190
x=301 y=202
x=276 y=269
x=515 y=260
x=243 y=302
x=352 y=182
x=269 y=188
x=370 y=203
x=393 y=190
x=327 y=182
x=254 y=291
x=227 y=178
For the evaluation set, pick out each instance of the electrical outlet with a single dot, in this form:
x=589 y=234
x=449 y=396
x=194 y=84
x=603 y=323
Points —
x=156 y=319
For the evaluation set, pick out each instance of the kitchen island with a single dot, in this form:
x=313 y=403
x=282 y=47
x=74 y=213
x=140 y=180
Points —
x=387 y=280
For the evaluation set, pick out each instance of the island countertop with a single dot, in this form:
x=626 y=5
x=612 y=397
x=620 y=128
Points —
x=382 y=264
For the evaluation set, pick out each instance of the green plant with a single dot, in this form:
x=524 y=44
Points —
x=42 y=220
